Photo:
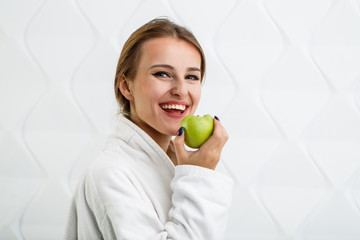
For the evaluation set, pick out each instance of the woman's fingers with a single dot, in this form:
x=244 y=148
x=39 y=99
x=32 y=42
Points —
x=179 y=146
x=218 y=138
x=210 y=151
x=208 y=155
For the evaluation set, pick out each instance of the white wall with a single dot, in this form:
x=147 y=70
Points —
x=283 y=77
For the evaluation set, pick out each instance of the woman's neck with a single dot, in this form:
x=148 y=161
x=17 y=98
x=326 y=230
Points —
x=164 y=141
x=161 y=139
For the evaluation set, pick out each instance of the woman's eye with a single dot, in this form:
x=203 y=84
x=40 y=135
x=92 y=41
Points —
x=192 y=77
x=161 y=74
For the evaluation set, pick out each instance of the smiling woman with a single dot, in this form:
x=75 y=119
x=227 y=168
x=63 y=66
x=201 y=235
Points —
x=132 y=51
x=144 y=185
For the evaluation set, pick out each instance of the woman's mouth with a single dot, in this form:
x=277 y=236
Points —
x=174 y=108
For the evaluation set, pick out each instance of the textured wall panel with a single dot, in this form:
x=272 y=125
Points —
x=282 y=75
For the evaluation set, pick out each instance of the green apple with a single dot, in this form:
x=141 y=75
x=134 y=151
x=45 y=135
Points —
x=197 y=129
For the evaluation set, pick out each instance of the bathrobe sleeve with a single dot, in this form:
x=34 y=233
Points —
x=201 y=200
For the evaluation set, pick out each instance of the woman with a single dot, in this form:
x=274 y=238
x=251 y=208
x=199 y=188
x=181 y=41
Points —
x=144 y=185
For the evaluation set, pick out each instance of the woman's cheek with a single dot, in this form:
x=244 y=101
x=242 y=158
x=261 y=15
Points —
x=196 y=96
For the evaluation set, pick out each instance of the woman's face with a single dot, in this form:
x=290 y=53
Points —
x=167 y=86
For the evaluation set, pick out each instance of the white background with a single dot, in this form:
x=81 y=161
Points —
x=283 y=77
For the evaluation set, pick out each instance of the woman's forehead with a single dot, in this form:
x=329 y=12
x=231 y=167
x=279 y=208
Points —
x=170 y=51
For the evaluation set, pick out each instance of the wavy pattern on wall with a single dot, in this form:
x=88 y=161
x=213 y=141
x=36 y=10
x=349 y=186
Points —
x=283 y=76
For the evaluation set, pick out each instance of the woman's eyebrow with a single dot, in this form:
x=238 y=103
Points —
x=172 y=68
x=193 y=69
x=162 y=65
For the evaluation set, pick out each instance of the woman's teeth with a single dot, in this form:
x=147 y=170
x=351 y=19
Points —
x=174 y=106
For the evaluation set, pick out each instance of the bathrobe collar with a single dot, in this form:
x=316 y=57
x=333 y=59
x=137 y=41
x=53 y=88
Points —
x=138 y=139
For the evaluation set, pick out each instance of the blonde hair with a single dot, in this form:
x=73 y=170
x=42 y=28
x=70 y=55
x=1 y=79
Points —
x=131 y=52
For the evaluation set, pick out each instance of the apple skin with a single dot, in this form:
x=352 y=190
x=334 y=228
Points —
x=197 y=129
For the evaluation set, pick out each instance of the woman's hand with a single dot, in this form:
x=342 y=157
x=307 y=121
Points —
x=208 y=155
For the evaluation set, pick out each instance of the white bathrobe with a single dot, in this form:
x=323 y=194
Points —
x=134 y=191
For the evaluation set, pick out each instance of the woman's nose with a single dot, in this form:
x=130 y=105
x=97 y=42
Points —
x=179 y=88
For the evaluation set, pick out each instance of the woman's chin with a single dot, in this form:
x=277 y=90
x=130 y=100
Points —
x=173 y=131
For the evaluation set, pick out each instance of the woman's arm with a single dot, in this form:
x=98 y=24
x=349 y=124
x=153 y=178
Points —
x=201 y=199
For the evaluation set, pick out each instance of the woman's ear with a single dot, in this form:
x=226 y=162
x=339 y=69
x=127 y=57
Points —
x=125 y=88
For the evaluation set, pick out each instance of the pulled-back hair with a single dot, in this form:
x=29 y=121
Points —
x=131 y=52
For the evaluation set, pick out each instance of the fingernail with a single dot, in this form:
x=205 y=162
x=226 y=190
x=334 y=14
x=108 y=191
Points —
x=217 y=118
x=180 y=131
